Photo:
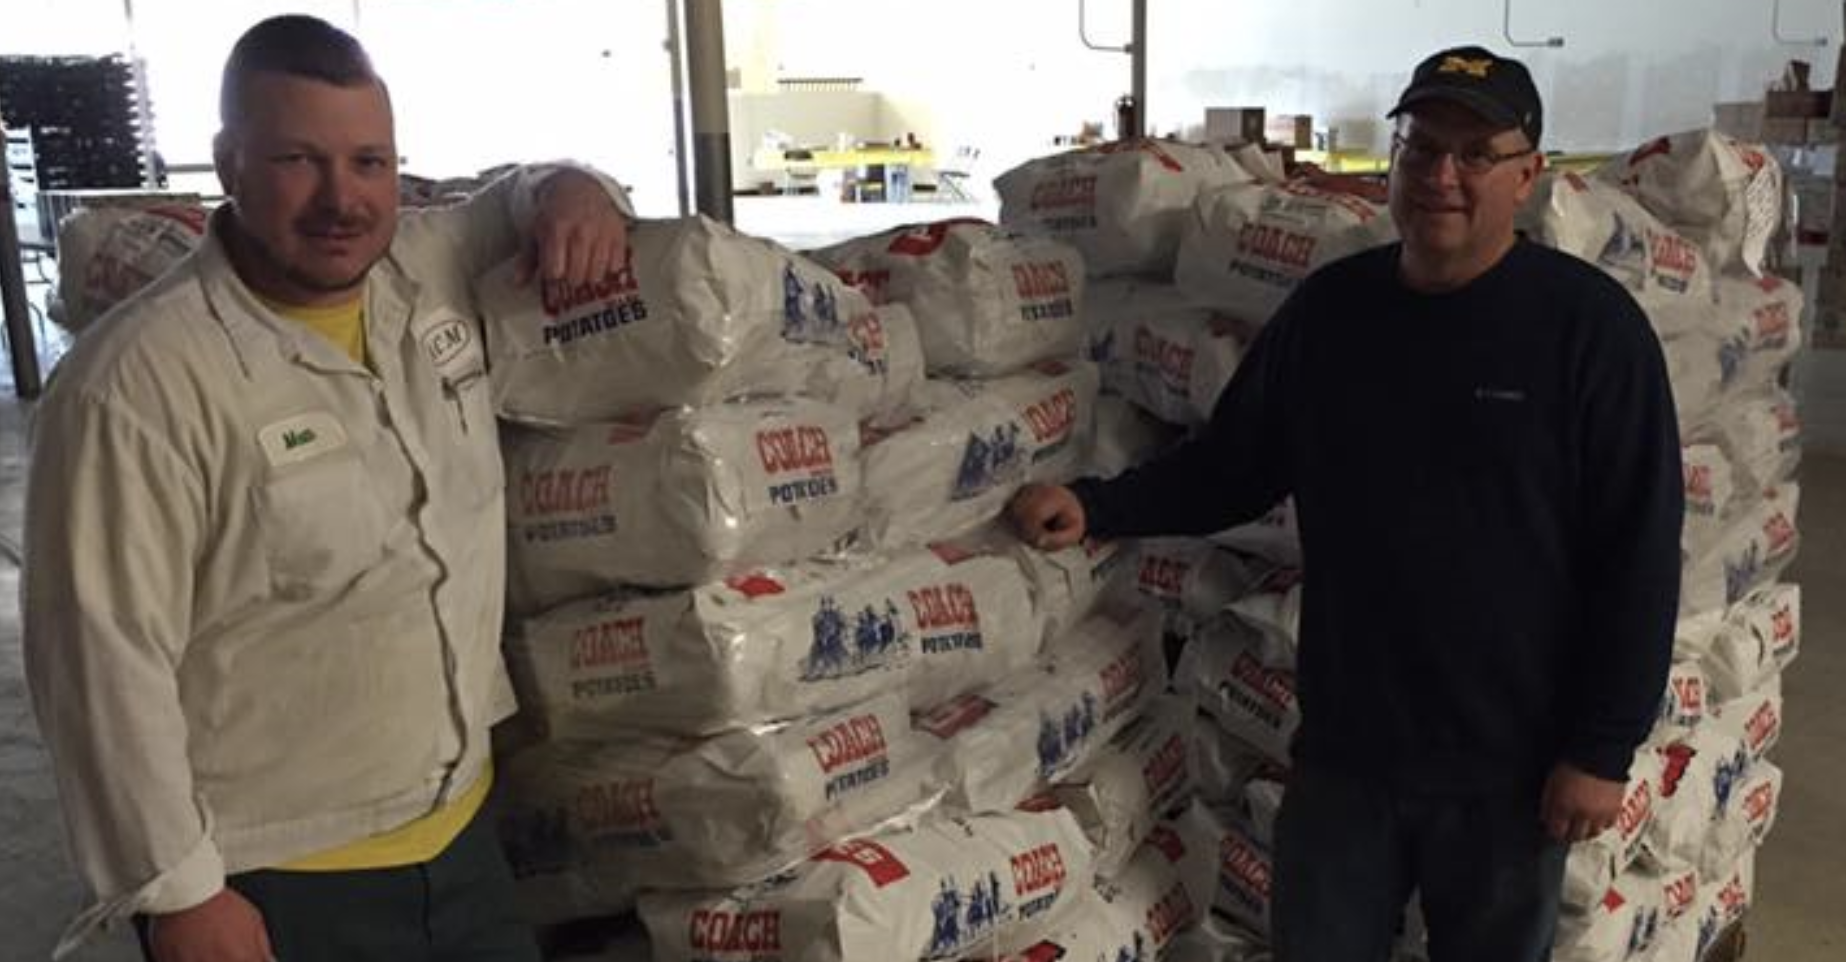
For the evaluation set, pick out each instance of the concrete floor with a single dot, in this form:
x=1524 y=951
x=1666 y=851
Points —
x=1799 y=914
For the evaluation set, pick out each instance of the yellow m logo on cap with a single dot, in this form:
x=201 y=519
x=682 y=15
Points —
x=1474 y=68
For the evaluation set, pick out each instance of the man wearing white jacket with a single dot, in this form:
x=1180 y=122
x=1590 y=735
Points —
x=265 y=549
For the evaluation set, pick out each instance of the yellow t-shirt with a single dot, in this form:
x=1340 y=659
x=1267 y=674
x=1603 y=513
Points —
x=342 y=324
x=410 y=844
x=424 y=839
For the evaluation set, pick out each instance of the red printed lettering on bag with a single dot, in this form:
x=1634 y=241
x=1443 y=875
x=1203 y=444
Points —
x=1052 y=417
x=564 y=490
x=1276 y=245
x=1171 y=914
x=558 y=300
x=1039 y=280
x=1761 y=729
x=1275 y=685
x=945 y=606
x=798 y=448
x=620 y=643
x=1244 y=864
x=1166 y=768
x=624 y=805
x=848 y=743
x=1637 y=805
x=1040 y=869
x=879 y=864
x=757 y=932
x=1163 y=577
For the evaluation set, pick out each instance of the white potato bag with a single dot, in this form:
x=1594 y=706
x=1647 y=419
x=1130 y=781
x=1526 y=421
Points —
x=1223 y=865
x=1761 y=634
x=1761 y=437
x=1133 y=915
x=774 y=644
x=1751 y=551
x=1193 y=576
x=1596 y=222
x=1068 y=584
x=1141 y=776
x=939 y=891
x=1123 y=204
x=986 y=301
x=679 y=499
x=1038 y=726
x=700 y=314
x=106 y=254
x=1246 y=246
x=977 y=442
x=1245 y=678
x=1165 y=355
x=1126 y=436
x=1724 y=194
x=688 y=813
x=1710 y=485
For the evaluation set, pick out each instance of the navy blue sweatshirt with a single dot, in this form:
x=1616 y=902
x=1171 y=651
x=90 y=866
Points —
x=1489 y=493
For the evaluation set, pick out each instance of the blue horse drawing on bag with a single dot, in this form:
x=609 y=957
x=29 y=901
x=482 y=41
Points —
x=846 y=646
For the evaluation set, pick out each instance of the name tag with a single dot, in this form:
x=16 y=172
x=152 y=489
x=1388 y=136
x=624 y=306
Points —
x=300 y=438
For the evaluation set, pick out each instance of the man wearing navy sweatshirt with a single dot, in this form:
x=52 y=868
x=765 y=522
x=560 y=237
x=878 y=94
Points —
x=1479 y=436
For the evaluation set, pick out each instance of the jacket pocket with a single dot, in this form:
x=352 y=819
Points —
x=322 y=525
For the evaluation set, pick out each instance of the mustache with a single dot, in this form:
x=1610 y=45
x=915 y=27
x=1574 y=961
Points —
x=334 y=224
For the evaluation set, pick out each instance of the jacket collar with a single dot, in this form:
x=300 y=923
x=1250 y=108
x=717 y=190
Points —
x=262 y=338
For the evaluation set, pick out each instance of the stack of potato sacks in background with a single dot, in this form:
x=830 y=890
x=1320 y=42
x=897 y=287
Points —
x=783 y=686
x=778 y=670
x=1169 y=328
x=1187 y=261
x=1684 y=223
x=1010 y=400
x=106 y=254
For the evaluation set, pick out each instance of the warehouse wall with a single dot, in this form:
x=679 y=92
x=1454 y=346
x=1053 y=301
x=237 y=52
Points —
x=1011 y=76
x=1007 y=76
x=1630 y=69
x=38 y=27
x=475 y=82
x=474 y=76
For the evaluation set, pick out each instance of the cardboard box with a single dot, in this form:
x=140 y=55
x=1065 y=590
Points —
x=1828 y=328
x=1835 y=260
x=1234 y=125
x=1291 y=130
x=1740 y=119
x=1814 y=207
x=1785 y=131
x=1830 y=284
x=1797 y=103
x=1838 y=113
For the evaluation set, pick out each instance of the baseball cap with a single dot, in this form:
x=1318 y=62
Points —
x=1497 y=88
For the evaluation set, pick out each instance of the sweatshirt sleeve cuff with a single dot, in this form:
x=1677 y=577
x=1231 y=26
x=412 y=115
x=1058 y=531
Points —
x=1607 y=762
x=1097 y=521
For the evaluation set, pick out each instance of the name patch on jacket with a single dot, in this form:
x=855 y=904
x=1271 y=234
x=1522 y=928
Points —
x=451 y=346
x=299 y=438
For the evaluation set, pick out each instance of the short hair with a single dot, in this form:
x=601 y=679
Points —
x=295 y=45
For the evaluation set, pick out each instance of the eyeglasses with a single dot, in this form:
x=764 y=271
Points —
x=1472 y=159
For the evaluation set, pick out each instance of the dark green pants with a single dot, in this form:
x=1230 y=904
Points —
x=457 y=907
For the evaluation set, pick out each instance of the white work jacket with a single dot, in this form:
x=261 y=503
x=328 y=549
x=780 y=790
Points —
x=263 y=583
